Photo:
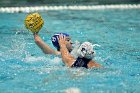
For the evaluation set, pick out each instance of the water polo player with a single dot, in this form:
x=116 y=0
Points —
x=47 y=49
x=63 y=44
x=84 y=53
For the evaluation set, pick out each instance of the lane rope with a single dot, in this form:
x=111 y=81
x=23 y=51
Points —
x=74 y=7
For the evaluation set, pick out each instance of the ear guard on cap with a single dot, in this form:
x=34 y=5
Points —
x=34 y=22
x=86 y=50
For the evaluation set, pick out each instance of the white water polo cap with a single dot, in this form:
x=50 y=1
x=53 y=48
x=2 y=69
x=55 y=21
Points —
x=86 y=50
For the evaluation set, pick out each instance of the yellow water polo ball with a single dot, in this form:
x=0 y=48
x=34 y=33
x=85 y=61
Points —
x=34 y=22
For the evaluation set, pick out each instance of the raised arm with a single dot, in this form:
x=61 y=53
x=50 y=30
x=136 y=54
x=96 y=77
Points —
x=43 y=46
x=67 y=58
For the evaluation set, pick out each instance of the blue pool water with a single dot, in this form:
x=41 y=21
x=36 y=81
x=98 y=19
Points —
x=25 y=69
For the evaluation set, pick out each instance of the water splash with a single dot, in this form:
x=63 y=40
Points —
x=72 y=90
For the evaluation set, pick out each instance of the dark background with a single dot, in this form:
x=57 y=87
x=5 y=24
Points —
x=9 y=3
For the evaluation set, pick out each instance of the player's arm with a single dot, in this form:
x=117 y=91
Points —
x=67 y=58
x=93 y=64
x=43 y=46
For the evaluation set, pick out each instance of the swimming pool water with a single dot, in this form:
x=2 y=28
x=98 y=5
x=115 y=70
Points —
x=25 y=69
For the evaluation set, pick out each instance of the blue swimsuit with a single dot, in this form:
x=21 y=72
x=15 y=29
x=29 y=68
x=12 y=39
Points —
x=81 y=62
